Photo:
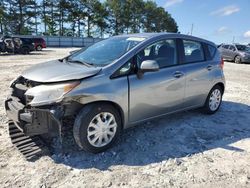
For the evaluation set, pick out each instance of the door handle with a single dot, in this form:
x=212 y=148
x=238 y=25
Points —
x=209 y=67
x=178 y=74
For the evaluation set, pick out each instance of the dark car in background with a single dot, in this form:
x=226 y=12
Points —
x=39 y=43
x=16 y=45
x=235 y=52
x=27 y=46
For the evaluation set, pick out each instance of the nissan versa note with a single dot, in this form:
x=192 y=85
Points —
x=112 y=85
x=235 y=52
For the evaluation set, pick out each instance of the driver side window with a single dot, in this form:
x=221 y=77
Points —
x=163 y=52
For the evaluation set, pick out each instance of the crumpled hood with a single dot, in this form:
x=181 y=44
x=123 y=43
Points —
x=56 y=71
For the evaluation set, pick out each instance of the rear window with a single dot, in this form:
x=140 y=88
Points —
x=26 y=40
x=193 y=51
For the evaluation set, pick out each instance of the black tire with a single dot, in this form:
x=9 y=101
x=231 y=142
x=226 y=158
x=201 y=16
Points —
x=207 y=109
x=237 y=59
x=83 y=120
x=39 y=48
x=25 y=50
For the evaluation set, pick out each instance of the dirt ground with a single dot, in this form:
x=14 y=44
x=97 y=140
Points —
x=187 y=149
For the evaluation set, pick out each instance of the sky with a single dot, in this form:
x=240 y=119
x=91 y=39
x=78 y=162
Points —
x=220 y=21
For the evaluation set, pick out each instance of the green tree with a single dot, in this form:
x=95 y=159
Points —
x=76 y=17
x=21 y=16
x=2 y=16
x=156 y=19
x=62 y=13
x=116 y=16
x=48 y=16
x=132 y=15
x=100 y=18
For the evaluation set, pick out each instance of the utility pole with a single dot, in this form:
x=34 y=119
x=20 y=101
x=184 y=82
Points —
x=192 y=28
x=233 y=39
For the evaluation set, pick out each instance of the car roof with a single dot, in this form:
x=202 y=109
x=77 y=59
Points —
x=177 y=35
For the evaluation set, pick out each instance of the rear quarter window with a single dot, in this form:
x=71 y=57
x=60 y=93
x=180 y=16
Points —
x=211 y=51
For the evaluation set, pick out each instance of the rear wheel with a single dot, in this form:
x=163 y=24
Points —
x=213 y=101
x=237 y=59
x=97 y=127
x=39 y=48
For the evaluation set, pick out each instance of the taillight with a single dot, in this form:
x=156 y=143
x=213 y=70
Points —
x=221 y=63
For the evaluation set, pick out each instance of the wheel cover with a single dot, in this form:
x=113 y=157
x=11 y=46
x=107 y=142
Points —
x=214 y=100
x=237 y=59
x=102 y=129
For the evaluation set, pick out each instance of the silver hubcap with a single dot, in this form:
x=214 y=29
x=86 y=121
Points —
x=214 y=100
x=102 y=129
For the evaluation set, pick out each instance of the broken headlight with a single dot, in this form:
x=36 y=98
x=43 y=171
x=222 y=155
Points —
x=47 y=94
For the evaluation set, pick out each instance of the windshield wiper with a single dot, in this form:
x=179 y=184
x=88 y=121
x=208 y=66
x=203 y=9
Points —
x=82 y=62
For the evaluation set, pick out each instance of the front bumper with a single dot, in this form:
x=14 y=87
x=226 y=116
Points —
x=246 y=59
x=33 y=121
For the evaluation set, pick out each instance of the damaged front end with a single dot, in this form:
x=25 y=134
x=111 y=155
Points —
x=33 y=109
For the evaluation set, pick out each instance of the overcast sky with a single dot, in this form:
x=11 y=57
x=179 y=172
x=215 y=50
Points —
x=215 y=20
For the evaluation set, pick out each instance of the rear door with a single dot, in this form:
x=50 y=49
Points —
x=197 y=69
x=157 y=93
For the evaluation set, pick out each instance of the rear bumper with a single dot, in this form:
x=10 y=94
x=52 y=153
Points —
x=34 y=121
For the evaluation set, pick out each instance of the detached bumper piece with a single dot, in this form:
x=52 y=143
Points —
x=32 y=147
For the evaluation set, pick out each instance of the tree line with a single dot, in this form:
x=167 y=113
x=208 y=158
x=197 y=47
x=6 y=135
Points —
x=90 y=18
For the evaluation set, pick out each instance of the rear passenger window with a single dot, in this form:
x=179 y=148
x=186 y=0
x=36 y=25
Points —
x=193 y=51
x=225 y=46
x=232 y=48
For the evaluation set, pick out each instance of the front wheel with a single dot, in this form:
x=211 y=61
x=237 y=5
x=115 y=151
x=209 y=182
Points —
x=214 y=100
x=97 y=127
x=237 y=59
x=25 y=51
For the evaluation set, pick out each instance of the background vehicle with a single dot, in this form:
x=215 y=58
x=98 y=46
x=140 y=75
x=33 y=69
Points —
x=16 y=45
x=235 y=52
x=39 y=43
x=115 y=84
x=26 y=46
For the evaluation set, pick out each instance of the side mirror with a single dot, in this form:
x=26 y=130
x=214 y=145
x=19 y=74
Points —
x=149 y=66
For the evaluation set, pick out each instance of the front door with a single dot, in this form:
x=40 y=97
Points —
x=157 y=93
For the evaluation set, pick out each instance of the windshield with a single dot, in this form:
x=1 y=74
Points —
x=106 y=51
x=243 y=48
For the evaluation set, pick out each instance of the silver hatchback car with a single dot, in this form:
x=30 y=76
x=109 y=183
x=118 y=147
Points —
x=115 y=84
x=235 y=52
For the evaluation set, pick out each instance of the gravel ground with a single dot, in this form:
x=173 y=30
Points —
x=187 y=149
